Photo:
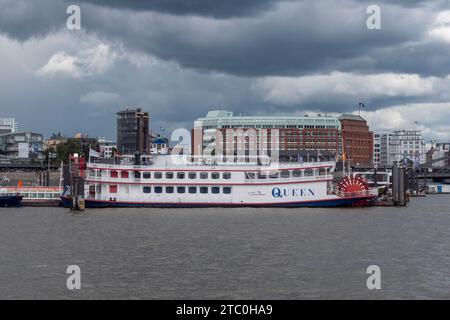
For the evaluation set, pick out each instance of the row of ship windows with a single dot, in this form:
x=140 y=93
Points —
x=171 y=175
x=226 y=175
x=191 y=190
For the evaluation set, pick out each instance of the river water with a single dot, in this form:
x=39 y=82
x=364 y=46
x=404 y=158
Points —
x=227 y=253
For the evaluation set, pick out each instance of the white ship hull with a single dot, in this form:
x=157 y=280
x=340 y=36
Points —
x=289 y=185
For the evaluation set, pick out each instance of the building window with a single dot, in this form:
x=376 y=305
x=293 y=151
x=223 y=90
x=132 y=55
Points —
x=215 y=190
x=181 y=189
x=158 y=175
x=204 y=175
x=169 y=175
x=227 y=175
x=124 y=174
x=114 y=174
x=192 y=175
x=215 y=175
x=226 y=190
x=146 y=175
x=203 y=190
x=147 y=189
x=113 y=189
x=180 y=175
x=192 y=190
x=158 y=189
x=169 y=189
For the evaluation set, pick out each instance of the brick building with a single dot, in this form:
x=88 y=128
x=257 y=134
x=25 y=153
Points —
x=357 y=140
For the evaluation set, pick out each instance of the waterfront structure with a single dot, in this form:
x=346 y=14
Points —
x=376 y=150
x=25 y=146
x=132 y=131
x=295 y=138
x=8 y=125
x=172 y=182
x=54 y=141
x=357 y=140
x=106 y=147
x=381 y=147
x=439 y=155
x=159 y=145
x=407 y=145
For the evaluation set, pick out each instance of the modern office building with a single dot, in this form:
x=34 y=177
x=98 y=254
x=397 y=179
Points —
x=27 y=146
x=294 y=138
x=407 y=145
x=357 y=140
x=132 y=132
x=106 y=147
x=8 y=125
x=381 y=147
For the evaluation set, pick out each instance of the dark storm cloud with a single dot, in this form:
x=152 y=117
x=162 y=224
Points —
x=211 y=8
x=296 y=38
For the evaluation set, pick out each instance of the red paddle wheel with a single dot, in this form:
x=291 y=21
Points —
x=354 y=185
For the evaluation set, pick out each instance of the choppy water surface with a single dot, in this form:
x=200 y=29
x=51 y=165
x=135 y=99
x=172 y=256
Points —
x=227 y=253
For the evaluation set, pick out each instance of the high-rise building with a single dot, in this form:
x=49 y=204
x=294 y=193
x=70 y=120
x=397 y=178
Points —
x=8 y=125
x=381 y=146
x=357 y=140
x=133 y=131
x=407 y=145
x=294 y=138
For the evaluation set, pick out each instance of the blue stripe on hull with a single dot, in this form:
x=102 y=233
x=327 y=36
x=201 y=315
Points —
x=365 y=201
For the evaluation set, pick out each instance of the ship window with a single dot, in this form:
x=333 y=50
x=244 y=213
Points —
x=146 y=175
x=114 y=174
x=227 y=190
x=157 y=175
x=309 y=173
x=192 y=189
x=147 y=189
x=285 y=174
x=192 y=175
x=113 y=189
x=203 y=190
x=169 y=175
x=124 y=174
x=181 y=189
x=215 y=190
x=158 y=189
x=297 y=173
x=215 y=175
x=227 y=175
x=322 y=172
x=180 y=175
x=169 y=189
x=262 y=175
x=250 y=175
x=203 y=175
x=274 y=175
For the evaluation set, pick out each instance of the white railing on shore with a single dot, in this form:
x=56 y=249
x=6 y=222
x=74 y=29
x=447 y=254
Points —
x=36 y=193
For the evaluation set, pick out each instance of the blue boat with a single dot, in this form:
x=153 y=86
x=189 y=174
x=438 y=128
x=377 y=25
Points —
x=10 y=201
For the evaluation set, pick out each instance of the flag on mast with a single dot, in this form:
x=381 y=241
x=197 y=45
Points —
x=94 y=154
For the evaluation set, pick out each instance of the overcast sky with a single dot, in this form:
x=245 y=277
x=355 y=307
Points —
x=177 y=59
